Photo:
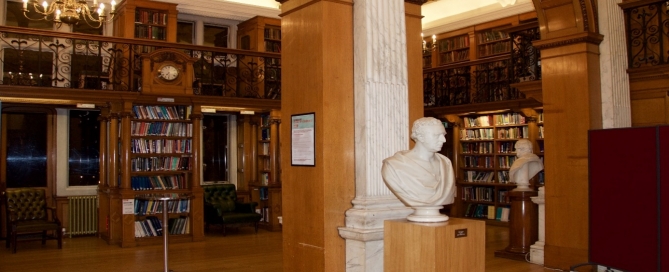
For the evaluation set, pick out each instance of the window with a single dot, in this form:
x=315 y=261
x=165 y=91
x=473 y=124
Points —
x=15 y=17
x=84 y=146
x=215 y=36
x=83 y=27
x=215 y=145
x=185 y=32
x=35 y=71
x=26 y=149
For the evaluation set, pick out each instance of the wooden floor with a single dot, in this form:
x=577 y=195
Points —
x=240 y=250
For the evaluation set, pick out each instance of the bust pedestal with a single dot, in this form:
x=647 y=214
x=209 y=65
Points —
x=523 y=230
x=455 y=245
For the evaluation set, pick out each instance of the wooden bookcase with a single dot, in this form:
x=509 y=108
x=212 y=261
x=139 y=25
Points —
x=158 y=147
x=144 y=19
x=263 y=34
x=453 y=49
x=492 y=42
x=485 y=151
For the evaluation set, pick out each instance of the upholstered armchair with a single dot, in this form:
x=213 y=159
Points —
x=27 y=213
x=221 y=207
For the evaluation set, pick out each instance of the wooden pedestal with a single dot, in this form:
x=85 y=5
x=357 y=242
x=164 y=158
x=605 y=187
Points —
x=523 y=226
x=455 y=245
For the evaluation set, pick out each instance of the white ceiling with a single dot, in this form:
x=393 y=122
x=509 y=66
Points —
x=439 y=16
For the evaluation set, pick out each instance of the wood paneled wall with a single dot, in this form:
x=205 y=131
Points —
x=317 y=60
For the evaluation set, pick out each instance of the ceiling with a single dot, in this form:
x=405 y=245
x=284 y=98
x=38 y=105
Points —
x=439 y=15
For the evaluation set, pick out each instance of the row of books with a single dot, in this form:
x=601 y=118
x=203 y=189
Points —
x=494 y=48
x=513 y=133
x=491 y=36
x=478 y=193
x=161 y=129
x=477 y=134
x=479 y=176
x=149 y=206
x=272 y=62
x=541 y=132
x=505 y=161
x=139 y=183
x=264 y=180
x=272 y=33
x=478 y=162
x=263 y=193
x=454 y=56
x=264 y=133
x=453 y=43
x=160 y=164
x=153 y=226
x=150 y=146
x=506 y=147
x=265 y=214
x=162 y=112
x=509 y=118
x=264 y=149
x=150 y=17
x=272 y=46
x=150 y=32
x=487 y=212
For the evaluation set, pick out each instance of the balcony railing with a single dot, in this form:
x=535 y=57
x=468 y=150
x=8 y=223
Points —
x=48 y=59
x=487 y=79
x=647 y=26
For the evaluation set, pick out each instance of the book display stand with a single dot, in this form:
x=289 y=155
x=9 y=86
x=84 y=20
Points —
x=165 y=199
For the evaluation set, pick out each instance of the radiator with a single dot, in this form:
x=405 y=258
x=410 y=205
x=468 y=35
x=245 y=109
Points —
x=83 y=215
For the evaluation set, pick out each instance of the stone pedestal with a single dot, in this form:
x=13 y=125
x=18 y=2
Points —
x=537 y=249
x=522 y=226
x=455 y=245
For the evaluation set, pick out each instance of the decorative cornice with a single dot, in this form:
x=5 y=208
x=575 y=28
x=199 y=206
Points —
x=472 y=18
x=223 y=9
x=584 y=37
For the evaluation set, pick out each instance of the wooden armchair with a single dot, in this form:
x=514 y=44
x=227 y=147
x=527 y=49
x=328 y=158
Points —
x=26 y=212
x=221 y=207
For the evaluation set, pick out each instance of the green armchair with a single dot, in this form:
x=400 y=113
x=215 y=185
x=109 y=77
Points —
x=221 y=207
x=27 y=213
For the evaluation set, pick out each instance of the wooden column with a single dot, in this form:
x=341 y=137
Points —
x=274 y=122
x=317 y=76
x=103 y=185
x=523 y=230
x=197 y=203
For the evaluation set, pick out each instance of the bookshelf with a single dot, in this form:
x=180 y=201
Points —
x=492 y=43
x=485 y=150
x=263 y=34
x=151 y=20
x=158 y=147
x=265 y=187
x=453 y=49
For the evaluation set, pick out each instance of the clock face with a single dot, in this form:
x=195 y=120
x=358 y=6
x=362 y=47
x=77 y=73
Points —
x=168 y=72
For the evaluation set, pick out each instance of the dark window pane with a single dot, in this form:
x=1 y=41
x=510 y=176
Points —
x=215 y=141
x=15 y=16
x=25 y=67
x=185 y=32
x=84 y=141
x=83 y=27
x=215 y=36
x=26 y=149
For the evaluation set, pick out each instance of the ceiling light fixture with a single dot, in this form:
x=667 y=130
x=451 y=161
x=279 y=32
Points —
x=70 y=12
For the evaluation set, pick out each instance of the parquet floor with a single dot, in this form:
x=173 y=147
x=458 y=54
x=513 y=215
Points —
x=240 y=251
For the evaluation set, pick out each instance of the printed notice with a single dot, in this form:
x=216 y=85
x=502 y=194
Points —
x=129 y=206
x=303 y=139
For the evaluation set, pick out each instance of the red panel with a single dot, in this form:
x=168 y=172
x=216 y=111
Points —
x=623 y=198
x=664 y=199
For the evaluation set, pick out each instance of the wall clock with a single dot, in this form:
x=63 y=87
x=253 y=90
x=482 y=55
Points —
x=167 y=71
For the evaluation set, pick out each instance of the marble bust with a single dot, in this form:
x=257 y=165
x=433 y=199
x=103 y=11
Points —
x=526 y=165
x=422 y=178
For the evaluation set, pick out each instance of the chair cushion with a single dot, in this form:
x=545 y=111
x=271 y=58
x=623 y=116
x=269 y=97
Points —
x=36 y=225
x=230 y=218
x=225 y=205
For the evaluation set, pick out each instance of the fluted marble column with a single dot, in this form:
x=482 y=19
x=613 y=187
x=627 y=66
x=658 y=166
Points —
x=381 y=126
x=616 y=109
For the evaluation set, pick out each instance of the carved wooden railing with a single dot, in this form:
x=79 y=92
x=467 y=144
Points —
x=485 y=80
x=49 y=59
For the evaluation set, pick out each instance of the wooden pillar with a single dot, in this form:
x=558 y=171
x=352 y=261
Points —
x=414 y=62
x=274 y=159
x=523 y=230
x=197 y=203
x=103 y=185
x=317 y=77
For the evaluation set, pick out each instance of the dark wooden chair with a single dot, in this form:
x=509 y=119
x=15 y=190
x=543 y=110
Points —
x=27 y=213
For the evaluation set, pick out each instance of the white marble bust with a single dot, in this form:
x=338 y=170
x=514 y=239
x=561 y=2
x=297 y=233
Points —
x=422 y=178
x=526 y=165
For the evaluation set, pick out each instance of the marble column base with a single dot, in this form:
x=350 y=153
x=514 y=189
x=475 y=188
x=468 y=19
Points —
x=537 y=253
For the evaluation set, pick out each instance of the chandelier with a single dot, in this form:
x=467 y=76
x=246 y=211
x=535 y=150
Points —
x=71 y=12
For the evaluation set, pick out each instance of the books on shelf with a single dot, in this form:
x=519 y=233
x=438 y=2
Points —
x=479 y=176
x=162 y=112
x=169 y=163
x=453 y=43
x=150 y=206
x=138 y=128
x=140 y=183
x=160 y=146
x=153 y=226
x=483 y=211
x=272 y=33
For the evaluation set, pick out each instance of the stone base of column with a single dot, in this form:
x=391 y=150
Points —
x=537 y=253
